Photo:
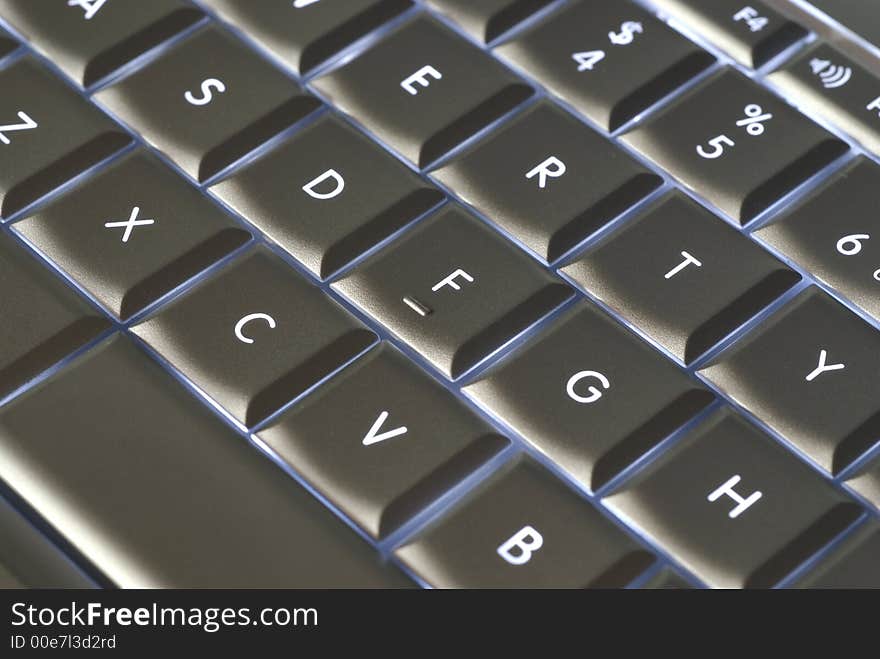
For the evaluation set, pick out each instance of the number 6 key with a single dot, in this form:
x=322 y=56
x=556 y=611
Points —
x=845 y=253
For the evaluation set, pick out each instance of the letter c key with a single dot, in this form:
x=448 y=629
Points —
x=239 y=326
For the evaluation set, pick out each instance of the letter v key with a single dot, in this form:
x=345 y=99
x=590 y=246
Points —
x=373 y=438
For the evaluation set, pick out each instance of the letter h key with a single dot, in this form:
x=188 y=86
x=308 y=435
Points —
x=742 y=504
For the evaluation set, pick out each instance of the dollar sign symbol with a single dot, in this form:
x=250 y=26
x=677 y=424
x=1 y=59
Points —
x=627 y=32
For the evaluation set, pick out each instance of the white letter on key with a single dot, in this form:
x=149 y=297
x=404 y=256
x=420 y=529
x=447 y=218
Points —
x=91 y=7
x=688 y=259
x=553 y=167
x=309 y=187
x=742 y=504
x=526 y=541
x=450 y=281
x=823 y=367
x=27 y=124
x=421 y=77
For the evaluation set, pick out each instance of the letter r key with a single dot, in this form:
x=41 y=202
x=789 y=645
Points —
x=552 y=167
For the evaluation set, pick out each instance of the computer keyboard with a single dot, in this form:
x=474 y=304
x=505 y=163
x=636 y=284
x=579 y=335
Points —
x=853 y=17
x=392 y=293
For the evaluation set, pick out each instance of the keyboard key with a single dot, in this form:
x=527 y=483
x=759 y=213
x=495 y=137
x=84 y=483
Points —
x=812 y=373
x=328 y=195
x=667 y=579
x=524 y=529
x=733 y=506
x=590 y=395
x=682 y=276
x=306 y=35
x=207 y=102
x=48 y=135
x=866 y=481
x=88 y=41
x=7 y=43
x=857 y=15
x=423 y=90
x=9 y=581
x=750 y=32
x=827 y=83
x=845 y=253
x=179 y=500
x=43 y=320
x=854 y=564
x=132 y=233
x=736 y=144
x=395 y=449
x=611 y=60
x=489 y=19
x=453 y=290
x=29 y=560
x=548 y=179
x=255 y=336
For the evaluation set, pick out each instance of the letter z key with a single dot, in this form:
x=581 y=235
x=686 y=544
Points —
x=48 y=134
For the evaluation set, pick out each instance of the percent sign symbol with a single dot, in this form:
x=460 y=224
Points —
x=754 y=119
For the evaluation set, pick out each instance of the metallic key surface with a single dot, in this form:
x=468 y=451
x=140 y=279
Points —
x=382 y=440
x=843 y=253
x=752 y=33
x=548 y=179
x=208 y=101
x=488 y=19
x=611 y=60
x=91 y=40
x=696 y=279
x=43 y=319
x=327 y=195
x=255 y=336
x=133 y=233
x=590 y=395
x=811 y=372
x=854 y=564
x=48 y=134
x=523 y=528
x=304 y=34
x=735 y=144
x=454 y=290
x=423 y=89
x=735 y=507
x=161 y=493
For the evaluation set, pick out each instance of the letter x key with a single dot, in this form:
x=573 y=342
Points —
x=129 y=224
